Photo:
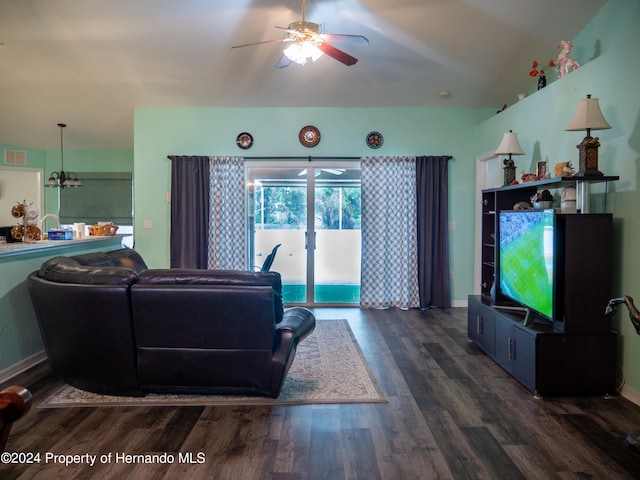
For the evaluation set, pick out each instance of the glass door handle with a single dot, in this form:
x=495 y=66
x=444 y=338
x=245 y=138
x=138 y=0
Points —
x=306 y=240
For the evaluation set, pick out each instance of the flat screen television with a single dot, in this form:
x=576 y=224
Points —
x=526 y=272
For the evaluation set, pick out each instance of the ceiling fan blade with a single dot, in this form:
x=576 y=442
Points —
x=339 y=55
x=261 y=43
x=334 y=171
x=342 y=38
x=283 y=62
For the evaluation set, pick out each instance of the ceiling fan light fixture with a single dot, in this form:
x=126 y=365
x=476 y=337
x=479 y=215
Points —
x=304 y=27
x=300 y=52
x=308 y=42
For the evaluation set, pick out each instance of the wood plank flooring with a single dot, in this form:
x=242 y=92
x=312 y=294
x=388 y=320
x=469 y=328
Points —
x=452 y=414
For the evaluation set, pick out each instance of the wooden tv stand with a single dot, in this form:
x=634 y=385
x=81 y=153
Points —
x=577 y=353
x=543 y=360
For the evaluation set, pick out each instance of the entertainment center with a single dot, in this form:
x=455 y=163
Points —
x=545 y=283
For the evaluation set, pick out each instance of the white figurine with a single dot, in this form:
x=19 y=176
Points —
x=564 y=62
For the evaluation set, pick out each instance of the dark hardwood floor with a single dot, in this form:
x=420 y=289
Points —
x=452 y=413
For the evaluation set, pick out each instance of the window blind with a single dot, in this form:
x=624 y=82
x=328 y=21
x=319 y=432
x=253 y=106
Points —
x=103 y=197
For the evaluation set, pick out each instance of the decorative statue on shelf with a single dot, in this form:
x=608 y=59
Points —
x=634 y=315
x=564 y=62
x=563 y=169
x=633 y=438
x=528 y=177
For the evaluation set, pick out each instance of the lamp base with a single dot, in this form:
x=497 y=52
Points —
x=509 y=175
x=588 y=158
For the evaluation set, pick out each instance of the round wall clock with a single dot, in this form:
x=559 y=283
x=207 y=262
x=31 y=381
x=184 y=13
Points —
x=374 y=140
x=309 y=136
x=244 y=140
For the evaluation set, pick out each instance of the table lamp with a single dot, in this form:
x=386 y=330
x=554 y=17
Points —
x=588 y=117
x=509 y=146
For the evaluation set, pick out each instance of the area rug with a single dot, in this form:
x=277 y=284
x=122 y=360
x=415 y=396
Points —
x=328 y=368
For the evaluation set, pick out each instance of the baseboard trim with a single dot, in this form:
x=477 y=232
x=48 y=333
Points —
x=630 y=394
x=459 y=304
x=22 y=366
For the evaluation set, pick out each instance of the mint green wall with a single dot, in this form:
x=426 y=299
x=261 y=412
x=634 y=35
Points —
x=607 y=49
x=74 y=161
x=35 y=158
x=208 y=131
x=82 y=161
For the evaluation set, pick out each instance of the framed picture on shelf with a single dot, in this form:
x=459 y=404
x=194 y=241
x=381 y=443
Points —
x=542 y=170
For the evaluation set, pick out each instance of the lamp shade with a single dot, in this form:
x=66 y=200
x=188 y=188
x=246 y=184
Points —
x=509 y=145
x=588 y=116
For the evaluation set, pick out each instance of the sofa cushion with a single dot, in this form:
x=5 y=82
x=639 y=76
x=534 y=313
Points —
x=127 y=258
x=68 y=270
x=94 y=259
x=182 y=276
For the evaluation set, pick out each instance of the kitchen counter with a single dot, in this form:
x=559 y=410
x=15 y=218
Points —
x=22 y=248
x=20 y=342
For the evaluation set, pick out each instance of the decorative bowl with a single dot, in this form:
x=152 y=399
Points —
x=543 y=205
x=103 y=230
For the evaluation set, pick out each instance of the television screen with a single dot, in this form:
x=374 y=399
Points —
x=526 y=258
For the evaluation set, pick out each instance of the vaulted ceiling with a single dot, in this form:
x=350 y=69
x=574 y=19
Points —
x=89 y=63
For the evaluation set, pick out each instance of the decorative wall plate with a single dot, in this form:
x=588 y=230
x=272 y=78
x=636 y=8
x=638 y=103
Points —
x=374 y=140
x=309 y=136
x=244 y=140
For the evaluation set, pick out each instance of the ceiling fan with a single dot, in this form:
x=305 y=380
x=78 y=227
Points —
x=308 y=42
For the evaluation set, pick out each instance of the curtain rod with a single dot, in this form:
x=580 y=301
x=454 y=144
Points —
x=309 y=158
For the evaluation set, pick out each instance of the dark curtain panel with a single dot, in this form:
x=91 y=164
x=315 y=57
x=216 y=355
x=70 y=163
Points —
x=432 y=189
x=189 y=211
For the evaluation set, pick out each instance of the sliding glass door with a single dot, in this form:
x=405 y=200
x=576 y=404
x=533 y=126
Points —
x=313 y=212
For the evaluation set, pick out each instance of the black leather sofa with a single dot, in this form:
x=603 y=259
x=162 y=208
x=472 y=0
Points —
x=111 y=325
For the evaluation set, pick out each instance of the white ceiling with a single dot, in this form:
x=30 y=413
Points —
x=89 y=63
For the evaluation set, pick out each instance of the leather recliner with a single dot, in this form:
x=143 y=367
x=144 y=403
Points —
x=110 y=325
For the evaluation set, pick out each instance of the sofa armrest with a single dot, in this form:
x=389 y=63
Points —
x=15 y=402
x=298 y=321
x=67 y=270
x=297 y=324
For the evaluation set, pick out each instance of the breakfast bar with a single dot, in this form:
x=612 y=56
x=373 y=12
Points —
x=22 y=346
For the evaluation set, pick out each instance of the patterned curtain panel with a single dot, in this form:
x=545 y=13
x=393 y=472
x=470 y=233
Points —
x=389 y=266
x=226 y=240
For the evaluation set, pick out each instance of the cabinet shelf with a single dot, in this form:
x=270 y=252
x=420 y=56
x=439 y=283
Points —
x=555 y=182
x=544 y=361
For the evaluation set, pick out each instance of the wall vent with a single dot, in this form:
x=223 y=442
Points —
x=15 y=157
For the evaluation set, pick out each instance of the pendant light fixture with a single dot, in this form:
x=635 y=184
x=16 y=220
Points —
x=62 y=179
